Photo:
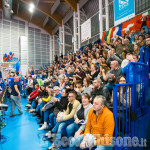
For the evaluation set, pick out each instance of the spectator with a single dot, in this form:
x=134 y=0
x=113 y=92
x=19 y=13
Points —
x=97 y=89
x=15 y=97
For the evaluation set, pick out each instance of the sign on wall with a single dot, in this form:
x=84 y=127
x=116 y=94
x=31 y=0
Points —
x=86 y=30
x=123 y=11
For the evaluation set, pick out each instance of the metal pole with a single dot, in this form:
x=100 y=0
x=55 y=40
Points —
x=107 y=15
x=74 y=30
x=53 y=47
x=79 y=32
x=100 y=19
x=63 y=29
x=60 y=38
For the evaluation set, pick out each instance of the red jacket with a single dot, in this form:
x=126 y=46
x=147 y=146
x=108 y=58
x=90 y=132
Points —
x=34 y=94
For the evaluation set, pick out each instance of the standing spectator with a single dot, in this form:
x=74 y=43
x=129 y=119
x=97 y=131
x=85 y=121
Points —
x=15 y=97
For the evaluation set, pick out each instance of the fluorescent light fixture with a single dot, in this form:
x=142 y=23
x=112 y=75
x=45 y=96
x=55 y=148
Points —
x=31 y=10
x=32 y=6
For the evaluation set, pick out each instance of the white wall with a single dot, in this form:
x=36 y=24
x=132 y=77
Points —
x=38 y=41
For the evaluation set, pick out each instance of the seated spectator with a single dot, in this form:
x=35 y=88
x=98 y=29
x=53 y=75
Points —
x=67 y=83
x=69 y=72
x=136 y=49
x=62 y=84
x=29 y=87
x=84 y=66
x=99 y=128
x=79 y=90
x=132 y=35
x=99 y=90
x=141 y=40
x=127 y=60
x=94 y=73
x=57 y=93
x=115 y=69
x=79 y=73
x=46 y=108
x=118 y=45
x=80 y=117
x=136 y=40
x=33 y=95
x=65 y=119
x=113 y=56
x=54 y=82
x=86 y=86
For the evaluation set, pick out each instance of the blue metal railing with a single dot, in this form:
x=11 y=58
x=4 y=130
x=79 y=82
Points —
x=144 y=55
x=123 y=97
x=129 y=100
x=138 y=74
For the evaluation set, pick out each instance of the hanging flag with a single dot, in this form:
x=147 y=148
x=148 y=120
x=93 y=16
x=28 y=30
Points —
x=17 y=66
x=129 y=26
x=104 y=34
x=138 y=24
x=111 y=35
x=119 y=30
x=108 y=37
x=105 y=38
x=115 y=31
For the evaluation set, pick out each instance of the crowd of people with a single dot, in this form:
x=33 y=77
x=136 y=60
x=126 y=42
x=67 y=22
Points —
x=74 y=95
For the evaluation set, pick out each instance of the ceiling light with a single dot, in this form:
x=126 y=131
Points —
x=31 y=10
x=32 y=6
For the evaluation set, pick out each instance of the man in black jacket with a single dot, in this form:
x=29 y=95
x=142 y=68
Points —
x=99 y=90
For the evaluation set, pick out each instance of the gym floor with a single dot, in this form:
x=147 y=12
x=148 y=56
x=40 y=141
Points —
x=21 y=132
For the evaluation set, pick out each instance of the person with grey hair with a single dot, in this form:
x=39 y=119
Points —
x=99 y=128
x=98 y=89
x=57 y=93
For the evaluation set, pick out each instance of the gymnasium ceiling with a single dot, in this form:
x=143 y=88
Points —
x=47 y=15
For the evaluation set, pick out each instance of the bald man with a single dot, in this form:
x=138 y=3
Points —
x=15 y=97
x=115 y=69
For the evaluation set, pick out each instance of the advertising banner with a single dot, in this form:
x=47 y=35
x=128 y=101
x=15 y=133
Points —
x=123 y=10
x=86 y=30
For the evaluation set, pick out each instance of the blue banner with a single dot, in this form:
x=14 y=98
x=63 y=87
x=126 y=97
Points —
x=123 y=11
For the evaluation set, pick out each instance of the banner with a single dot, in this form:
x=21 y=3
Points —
x=123 y=11
x=86 y=30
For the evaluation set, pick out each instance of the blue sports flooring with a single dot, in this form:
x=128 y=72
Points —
x=21 y=132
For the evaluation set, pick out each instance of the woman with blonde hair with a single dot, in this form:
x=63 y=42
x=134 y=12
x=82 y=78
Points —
x=136 y=49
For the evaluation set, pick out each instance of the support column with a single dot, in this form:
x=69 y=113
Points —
x=107 y=15
x=60 y=38
x=100 y=19
x=74 y=30
x=63 y=35
x=79 y=31
x=51 y=49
